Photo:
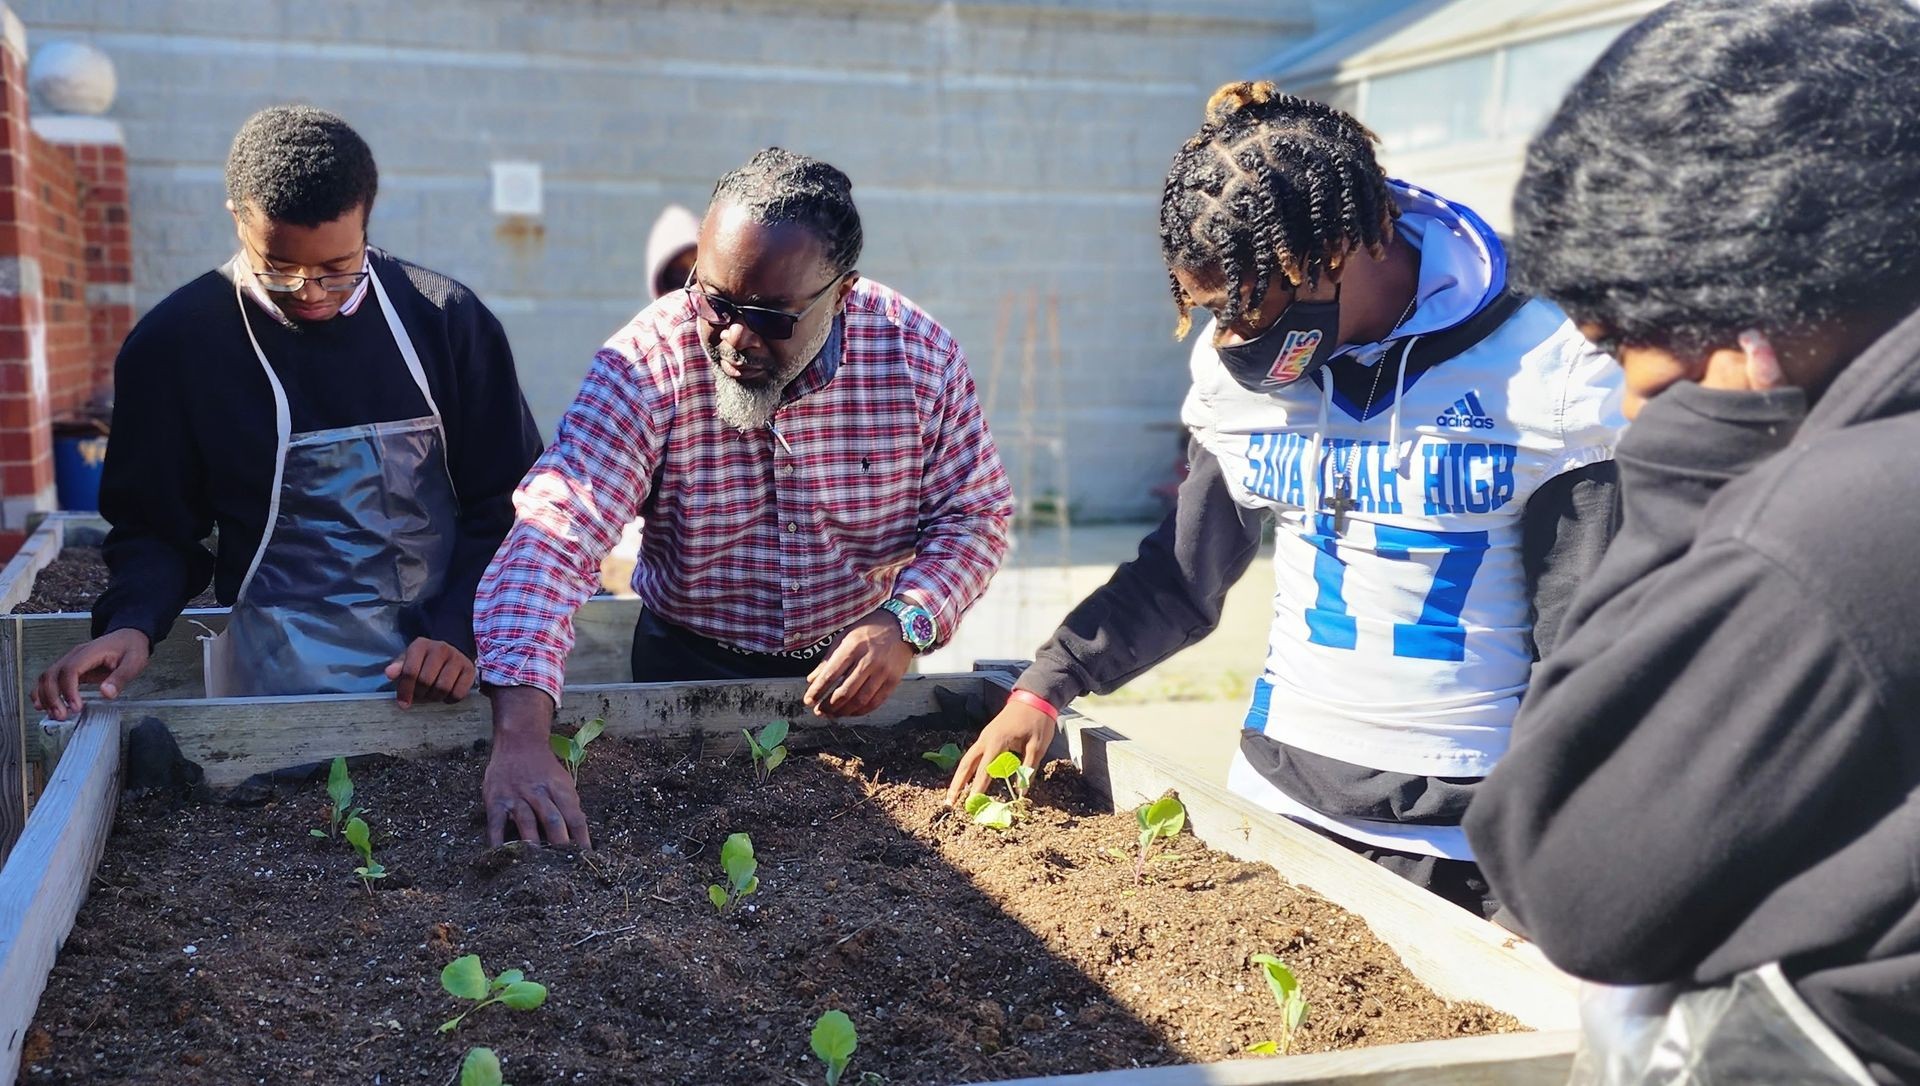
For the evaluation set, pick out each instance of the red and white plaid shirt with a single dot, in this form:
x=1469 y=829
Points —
x=877 y=479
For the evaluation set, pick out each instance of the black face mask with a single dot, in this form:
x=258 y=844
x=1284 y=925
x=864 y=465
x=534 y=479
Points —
x=1299 y=342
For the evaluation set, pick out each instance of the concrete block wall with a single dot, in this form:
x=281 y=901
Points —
x=1001 y=151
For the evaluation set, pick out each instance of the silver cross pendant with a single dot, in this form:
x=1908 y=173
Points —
x=1340 y=503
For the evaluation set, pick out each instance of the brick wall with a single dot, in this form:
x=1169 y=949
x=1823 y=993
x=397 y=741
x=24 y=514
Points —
x=54 y=189
x=26 y=446
x=66 y=271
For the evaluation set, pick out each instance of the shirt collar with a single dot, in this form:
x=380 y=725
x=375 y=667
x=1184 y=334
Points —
x=264 y=300
x=824 y=365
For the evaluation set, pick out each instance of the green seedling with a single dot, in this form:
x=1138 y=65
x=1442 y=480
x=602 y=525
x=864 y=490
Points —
x=736 y=859
x=480 y=1068
x=463 y=978
x=1293 y=1004
x=767 y=750
x=833 y=1041
x=946 y=757
x=1164 y=817
x=340 y=792
x=572 y=749
x=1017 y=776
x=361 y=839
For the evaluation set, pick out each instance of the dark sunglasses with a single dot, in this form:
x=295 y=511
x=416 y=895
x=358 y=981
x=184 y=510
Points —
x=766 y=323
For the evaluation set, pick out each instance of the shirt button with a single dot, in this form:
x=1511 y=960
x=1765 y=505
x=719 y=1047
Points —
x=791 y=526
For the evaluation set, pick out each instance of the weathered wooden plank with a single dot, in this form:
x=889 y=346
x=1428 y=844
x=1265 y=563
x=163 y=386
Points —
x=1514 y=1059
x=37 y=553
x=603 y=628
x=15 y=750
x=234 y=738
x=46 y=877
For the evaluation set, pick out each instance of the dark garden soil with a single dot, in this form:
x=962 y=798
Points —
x=223 y=945
x=73 y=581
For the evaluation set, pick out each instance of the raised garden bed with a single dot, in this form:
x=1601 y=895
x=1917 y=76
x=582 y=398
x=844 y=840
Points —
x=963 y=954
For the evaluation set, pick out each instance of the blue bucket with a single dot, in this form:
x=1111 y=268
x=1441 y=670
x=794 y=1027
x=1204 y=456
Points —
x=77 y=466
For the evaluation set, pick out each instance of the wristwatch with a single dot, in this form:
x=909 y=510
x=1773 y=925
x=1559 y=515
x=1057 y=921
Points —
x=916 y=624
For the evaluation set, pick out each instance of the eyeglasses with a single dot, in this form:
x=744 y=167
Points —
x=289 y=283
x=766 y=323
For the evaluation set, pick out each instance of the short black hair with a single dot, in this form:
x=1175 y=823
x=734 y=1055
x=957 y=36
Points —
x=300 y=165
x=779 y=186
x=1732 y=164
x=1271 y=183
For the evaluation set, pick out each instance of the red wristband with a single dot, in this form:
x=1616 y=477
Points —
x=1028 y=697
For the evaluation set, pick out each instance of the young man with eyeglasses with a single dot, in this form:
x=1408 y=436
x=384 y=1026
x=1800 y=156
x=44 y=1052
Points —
x=820 y=495
x=351 y=425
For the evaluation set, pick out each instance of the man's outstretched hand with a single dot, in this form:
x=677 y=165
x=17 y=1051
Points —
x=524 y=783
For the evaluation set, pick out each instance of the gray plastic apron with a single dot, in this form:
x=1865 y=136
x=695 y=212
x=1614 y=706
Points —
x=360 y=526
x=1754 y=1028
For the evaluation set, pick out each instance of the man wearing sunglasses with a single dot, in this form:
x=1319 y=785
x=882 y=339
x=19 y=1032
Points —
x=819 y=492
x=350 y=424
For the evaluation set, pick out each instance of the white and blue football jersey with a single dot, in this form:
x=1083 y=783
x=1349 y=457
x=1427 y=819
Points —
x=1401 y=636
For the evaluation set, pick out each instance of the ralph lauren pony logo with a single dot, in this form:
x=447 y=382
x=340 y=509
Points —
x=1295 y=352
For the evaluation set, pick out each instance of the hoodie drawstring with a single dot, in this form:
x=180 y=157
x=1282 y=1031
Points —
x=1399 y=394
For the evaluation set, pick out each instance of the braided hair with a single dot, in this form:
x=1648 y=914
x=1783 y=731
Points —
x=779 y=186
x=1271 y=184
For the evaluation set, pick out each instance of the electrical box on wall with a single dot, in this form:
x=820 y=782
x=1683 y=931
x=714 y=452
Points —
x=516 y=188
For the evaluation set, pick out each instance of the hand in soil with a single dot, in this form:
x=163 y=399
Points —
x=1022 y=729
x=113 y=661
x=431 y=671
x=863 y=669
x=524 y=782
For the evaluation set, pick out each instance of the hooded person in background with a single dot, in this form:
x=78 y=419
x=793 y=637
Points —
x=1433 y=448
x=1714 y=793
x=672 y=246
x=350 y=423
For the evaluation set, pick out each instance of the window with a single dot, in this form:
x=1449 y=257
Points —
x=1539 y=73
x=1504 y=93
x=1434 y=106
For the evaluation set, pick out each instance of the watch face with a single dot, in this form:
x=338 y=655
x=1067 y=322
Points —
x=920 y=628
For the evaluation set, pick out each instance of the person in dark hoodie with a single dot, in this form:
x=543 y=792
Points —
x=351 y=424
x=1713 y=798
x=1433 y=449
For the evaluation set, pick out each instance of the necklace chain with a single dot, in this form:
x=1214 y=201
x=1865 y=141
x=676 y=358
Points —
x=1343 y=477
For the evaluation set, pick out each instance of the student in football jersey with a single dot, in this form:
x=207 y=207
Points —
x=1434 y=449
x=1712 y=804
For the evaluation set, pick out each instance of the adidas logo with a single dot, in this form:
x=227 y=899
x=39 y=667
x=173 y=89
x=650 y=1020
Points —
x=1465 y=414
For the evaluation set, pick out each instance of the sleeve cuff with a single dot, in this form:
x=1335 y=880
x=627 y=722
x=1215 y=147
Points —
x=1051 y=681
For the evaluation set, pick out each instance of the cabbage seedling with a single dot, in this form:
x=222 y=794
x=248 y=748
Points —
x=572 y=750
x=1017 y=776
x=463 y=978
x=361 y=839
x=767 y=750
x=1164 y=817
x=340 y=792
x=480 y=1068
x=946 y=757
x=833 y=1041
x=1293 y=1004
x=736 y=859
